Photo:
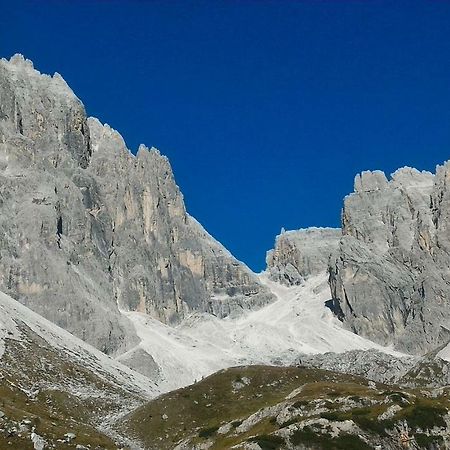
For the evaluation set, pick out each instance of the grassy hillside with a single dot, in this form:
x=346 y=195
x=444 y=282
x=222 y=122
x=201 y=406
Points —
x=47 y=392
x=273 y=408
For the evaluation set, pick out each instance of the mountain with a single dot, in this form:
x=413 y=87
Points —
x=390 y=277
x=123 y=323
x=389 y=267
x=89 y=232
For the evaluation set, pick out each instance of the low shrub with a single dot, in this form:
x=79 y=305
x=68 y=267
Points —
x=206 y=433
x=268 y=441
x=307 y=436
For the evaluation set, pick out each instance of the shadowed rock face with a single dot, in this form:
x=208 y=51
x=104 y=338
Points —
x=87 y=229
x=391 y=273
x=300 y=253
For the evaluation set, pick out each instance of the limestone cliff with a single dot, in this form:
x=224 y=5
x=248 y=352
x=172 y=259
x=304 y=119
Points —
x=300 y=253
x=390 y=277
x=87 y=229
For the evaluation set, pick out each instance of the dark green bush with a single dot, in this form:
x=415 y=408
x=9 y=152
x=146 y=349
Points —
x=425 y=417
x=307 y=436
x=335 y=416
x=397 y=397
x=206 y=433
x=424 y=441
x=333 y=394
x=268 y=441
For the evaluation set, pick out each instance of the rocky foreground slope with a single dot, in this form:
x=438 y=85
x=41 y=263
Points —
x=56 y=391
x=59 y=392
x=87 y=229
x=269 y=408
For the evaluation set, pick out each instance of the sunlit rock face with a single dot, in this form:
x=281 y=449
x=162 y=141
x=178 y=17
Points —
x=88 y=229
x=390 y=278
x=301 y=253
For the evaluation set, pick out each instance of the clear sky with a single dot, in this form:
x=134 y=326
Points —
x=266 y=109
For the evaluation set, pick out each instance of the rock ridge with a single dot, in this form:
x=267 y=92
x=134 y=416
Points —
x=301 y=253
x=88 y=229
x=390 y=276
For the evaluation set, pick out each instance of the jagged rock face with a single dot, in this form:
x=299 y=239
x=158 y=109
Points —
x=88 y=229
x=390 y=277
x=43 y=113
x=298 y=254
x=162 y=261
x=50 y=259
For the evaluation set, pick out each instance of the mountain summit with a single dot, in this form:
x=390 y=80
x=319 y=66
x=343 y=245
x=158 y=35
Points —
x=89 y=230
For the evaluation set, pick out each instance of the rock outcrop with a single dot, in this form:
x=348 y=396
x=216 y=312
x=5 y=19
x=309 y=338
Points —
x=390 y=278
x=88 y=229
x=300 y=253
x=432 y=370
x=371 y=364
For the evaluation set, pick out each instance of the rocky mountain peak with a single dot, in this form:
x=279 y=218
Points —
x=43 y=112
x=19 y=61
x=390 y=274
x=90 y=230
x=301 y=253
x=408 y=177
x=369 y=181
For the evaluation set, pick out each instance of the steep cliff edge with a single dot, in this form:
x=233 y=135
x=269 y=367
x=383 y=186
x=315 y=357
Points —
x=390 y=277
x=88 y=229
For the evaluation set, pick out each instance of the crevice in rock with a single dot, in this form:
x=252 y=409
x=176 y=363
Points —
x=335 y=307
x=19 y=121
x=59 y=230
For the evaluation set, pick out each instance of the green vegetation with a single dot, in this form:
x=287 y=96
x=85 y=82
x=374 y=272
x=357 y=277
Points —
x=268 y=442
x=53 y=412
x=422 y=414
x=299 y=403
x=194 y=414
x=295 y=419
x=308 y=436
x=365 y=418
x=425 y=416
x=206 y=433
x=214 y=402
x=333 y=394
x=424 y=441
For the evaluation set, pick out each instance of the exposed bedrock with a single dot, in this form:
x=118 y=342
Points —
x=301 y=253
x=87 y=229
x=390 y=277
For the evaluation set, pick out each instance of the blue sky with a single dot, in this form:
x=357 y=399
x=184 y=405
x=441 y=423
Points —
x=266 y=109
